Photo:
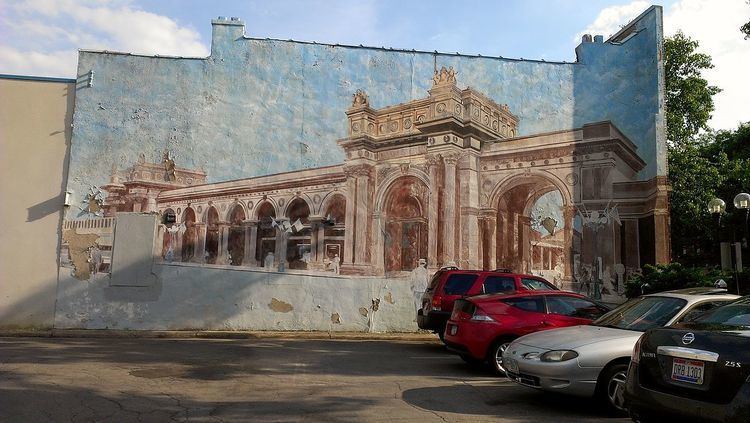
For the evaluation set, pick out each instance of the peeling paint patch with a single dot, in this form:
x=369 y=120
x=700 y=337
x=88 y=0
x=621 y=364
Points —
x=363 y=311
x=79 y=250
x=280 y=306
x=389 y=298
x=335 y=318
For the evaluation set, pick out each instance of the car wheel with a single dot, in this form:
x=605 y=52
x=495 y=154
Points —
x=611 y=388
x=495 y=356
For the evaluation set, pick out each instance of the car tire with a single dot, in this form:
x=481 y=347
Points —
x=494 y=356
x=610 y=388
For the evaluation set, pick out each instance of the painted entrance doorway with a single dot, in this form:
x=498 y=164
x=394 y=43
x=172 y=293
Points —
x=406 y=224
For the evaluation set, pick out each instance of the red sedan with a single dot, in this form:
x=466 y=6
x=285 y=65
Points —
x=481 y=327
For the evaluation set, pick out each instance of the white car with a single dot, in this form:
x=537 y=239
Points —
x=593 y=360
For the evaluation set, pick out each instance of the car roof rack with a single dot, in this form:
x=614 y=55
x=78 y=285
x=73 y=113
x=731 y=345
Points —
x=449 y=268
x=503 y=270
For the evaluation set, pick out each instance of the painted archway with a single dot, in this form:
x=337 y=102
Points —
x=530 y=227
x=236 y=241
x=189 y=237
x=298 y=243
x=266 y=241
x=212 y=235
x=404 y=214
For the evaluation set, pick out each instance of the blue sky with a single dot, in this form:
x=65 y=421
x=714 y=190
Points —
x=542 y=29
x=41 y=37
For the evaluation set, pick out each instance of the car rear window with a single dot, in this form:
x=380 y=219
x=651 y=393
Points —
x=460 y=283
x=435 y=279
x=734 y=314
x=536 y=284
x=533 y=304
x=495 y=284
x=642 y=313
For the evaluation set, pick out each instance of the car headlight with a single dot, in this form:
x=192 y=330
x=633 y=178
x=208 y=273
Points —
x=558 y=355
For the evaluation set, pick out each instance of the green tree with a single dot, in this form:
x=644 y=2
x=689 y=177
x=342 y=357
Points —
x=688 y=96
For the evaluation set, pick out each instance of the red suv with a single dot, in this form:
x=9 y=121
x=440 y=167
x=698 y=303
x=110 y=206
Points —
x=450 y=284
x=480 y=328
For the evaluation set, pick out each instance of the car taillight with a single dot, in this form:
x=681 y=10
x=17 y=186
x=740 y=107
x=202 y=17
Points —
x=437 y=303
x=636 y=351
x=481 y=316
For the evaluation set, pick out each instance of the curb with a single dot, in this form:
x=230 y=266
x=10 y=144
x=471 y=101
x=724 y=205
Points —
x=210 y=334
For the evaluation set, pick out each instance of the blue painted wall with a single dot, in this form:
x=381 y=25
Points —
x=247 y=109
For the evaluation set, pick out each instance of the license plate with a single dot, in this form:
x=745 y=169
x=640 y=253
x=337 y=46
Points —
x=689 y=371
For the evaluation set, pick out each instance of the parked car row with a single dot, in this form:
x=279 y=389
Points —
x=684 y=352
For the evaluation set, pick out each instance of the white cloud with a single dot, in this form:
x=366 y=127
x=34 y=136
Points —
x=612 y=18
x=715 y=25
x=45 y=34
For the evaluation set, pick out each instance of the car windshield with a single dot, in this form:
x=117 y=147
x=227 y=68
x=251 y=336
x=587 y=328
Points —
x=642 y=313
x=734 y=314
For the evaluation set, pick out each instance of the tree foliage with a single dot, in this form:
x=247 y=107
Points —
x=701 y=167
x=688 y=96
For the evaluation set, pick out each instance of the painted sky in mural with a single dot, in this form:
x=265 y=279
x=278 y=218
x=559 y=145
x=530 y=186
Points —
x=256 y=106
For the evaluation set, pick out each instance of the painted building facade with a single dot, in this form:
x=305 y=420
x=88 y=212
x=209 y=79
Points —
x=350 y=164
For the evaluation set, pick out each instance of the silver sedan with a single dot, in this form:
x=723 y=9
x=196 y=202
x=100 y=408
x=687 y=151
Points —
x=593 y=360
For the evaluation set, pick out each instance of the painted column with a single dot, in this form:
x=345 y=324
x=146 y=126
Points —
x=349 y=219
x=251 y=240
x=449 y=211
x=378 y=259
x=569 y=213
x=362 y=240
x=491 y=234
x=223 y=243
x=177 y=242
x=317 y=236
x=321 y=248
x=662 y=236
x=151 y=202
x=200 y=244
x=432 y=214
x=469 y=218
x=281 y=242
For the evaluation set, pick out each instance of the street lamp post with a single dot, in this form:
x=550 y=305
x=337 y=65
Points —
x=717 y=207
x=742 y=202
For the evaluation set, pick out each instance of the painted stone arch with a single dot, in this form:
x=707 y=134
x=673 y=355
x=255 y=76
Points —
x=299 y=240
x=334 y=231
x=334 y=204
x=388 y=182
x=266 y=207
x=212 y=234
x=232 y=209
x=236 y=236
x=404 y=213
x=530 y=227
x=265 y=212
x=295 y=202
x=190 y=235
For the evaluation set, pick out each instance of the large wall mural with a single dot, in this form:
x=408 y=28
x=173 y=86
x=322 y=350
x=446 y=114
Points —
x=309 y=158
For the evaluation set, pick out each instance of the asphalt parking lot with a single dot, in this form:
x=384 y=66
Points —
x=213 y=380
